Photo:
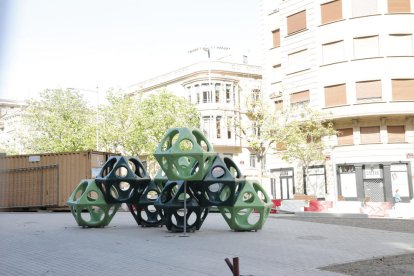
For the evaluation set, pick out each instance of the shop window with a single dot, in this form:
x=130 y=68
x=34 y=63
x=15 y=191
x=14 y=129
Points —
x=396 y=134
x=403 y=90
x=396 y=6
x=335 y=95
x=296 y=22
x=276 y=38
x=282 y=183
x=400 y=45
x=333 y=52
x=399 y=179
x=347 y=179
x=317 y=181
x=331 y=11
x=345 y=136
x=370 y=135
x=364 y=8
x=366 y=47
x=299 y=99
x=368 y=91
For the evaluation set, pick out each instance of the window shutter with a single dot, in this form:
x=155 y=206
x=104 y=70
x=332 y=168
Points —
x=296 y=22
x=370 y=135
x=368 y=90
x=396 y=134
x=345 y=136
x=335 y=95
x=395 y=6
x=299 y=97
x=331 y=11
x=276 y=38
x=403 y=90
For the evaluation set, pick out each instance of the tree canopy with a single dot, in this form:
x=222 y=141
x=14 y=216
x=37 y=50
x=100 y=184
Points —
x=58 y=121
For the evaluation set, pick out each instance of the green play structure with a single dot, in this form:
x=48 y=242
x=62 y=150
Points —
x=192 y=178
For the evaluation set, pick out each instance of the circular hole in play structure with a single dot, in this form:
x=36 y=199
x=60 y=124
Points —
x=111 y=210
x=248 y=197
x=192 y=219
x=214 y=188
x=152 y=209
x=92 y=196
x=218 y=172
x=132 y=166
x=121 y=172
x=152 y=195
x=253 y=218
x=124 y=186
x=186 y=145
x=225 y=193
x=226 y=213
x=114 y=192
x=144 y=215
x=181 y=196
x=180 y=212
x=184 y=161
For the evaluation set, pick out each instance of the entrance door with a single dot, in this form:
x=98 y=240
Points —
x=282 y=184
x=374 y=183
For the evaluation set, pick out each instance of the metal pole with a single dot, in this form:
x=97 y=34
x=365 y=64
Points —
x=185 y=211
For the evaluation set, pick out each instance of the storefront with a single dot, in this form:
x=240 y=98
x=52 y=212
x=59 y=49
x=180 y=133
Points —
x=376 y=182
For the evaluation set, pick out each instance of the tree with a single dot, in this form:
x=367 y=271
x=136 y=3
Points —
x=260 y=127
x=117 y=131
x=156 y=114
x=304 y=139
x=59 y=121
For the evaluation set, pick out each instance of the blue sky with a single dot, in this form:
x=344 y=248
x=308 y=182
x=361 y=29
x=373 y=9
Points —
x=112 y=43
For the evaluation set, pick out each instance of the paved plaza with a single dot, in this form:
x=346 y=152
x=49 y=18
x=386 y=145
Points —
x=46 y=243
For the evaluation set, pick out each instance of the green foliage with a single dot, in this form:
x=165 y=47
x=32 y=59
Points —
x=159 y=112
x=304 y=137
x=116 y=124
x=59 y=121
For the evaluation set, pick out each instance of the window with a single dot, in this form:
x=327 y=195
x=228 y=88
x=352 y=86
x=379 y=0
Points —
x=395 y=6
x=333 y=52
x=217 y=92
x=229 y=126
x=218 y=127
x=279 y=105
x=228 y=93
x=296 y=22
x=276 y=38
x=400 y=179
x=252 y=161
x=197 y=91
x=206 y=93
x=317 y=181
x=403 y=90
x=363 y=8
x=331 y=11
x=370 y=135
x=298 y=61
x=400 y=45
x=335 y=95
x=207 y=126
x=299 y=99
x=366 y=47
x=277 y=71
x=396 y=134
x=345 y=136
x=368 y=91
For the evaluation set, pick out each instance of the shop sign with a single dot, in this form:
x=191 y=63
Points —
x=372 y=173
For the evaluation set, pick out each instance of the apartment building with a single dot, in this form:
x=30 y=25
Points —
x=10 y=122
x=354 y=60
x=217 y=81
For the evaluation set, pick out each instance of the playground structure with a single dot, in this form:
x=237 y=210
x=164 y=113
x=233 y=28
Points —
x=192 y=178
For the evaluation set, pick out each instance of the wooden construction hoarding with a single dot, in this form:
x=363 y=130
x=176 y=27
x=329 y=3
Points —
x=45 y=180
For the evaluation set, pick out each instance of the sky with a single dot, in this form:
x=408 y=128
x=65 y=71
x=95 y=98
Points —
x=85 y=44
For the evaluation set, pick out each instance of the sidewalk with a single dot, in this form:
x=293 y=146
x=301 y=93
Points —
x=52 y=244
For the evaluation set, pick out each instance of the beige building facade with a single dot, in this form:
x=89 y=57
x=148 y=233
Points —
x=353 y=60
x=218 y=87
